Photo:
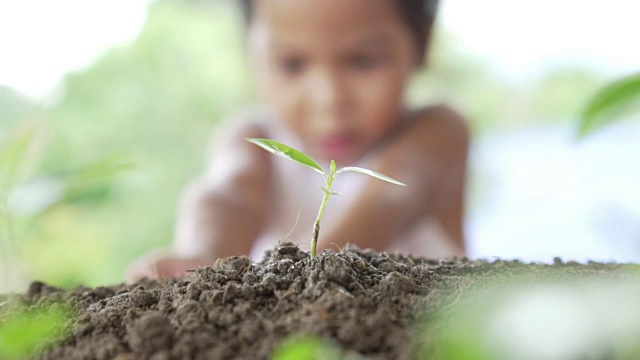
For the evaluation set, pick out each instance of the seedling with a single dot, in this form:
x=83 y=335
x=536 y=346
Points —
x=301 y=158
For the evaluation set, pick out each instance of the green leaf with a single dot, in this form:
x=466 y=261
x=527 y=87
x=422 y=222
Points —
x=370 y=173
x=26 y=330
x=306 y=348
x=93 y=179
x=611 y=104
x=287 y=152
x=13 y=155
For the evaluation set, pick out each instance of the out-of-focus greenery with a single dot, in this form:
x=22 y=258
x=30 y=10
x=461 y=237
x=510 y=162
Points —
x=307 y=348
x=617 y=101
x=153 y=104
x=25 y=197
x=23 y=331
x=14 y=107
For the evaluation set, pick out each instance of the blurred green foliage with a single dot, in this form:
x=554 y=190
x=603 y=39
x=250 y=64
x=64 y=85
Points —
x=152 y=103
x=24 y=331
x=150 y=106
x=306 y=348
x=617 y=101
x=25 y=197
x=14 y=107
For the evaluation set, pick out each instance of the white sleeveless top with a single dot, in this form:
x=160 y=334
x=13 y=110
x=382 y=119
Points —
x=296 y=201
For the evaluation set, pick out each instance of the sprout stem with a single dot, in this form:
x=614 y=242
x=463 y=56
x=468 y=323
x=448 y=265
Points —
x=316 y=225
x=327 y=192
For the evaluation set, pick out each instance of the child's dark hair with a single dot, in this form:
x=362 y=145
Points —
x=418 y=14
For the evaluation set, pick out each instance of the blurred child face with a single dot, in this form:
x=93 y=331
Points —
x=334 y=70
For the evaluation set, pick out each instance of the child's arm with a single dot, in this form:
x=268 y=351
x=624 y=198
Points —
x=430 y=155
x=222 y=212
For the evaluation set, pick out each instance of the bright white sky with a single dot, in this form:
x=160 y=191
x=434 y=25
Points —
x=522 y=38
x=40 y=40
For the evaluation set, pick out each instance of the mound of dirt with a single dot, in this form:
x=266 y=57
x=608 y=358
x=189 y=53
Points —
x=365 y=302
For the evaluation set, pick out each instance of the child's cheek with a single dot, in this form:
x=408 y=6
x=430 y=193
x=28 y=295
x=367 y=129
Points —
x=380 y=97
x=280 y=93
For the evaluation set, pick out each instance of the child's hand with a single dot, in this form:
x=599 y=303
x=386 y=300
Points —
x=163 y=265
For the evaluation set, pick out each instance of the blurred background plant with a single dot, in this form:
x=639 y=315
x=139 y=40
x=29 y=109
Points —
x=152 y=102
x=29 y=196
x=149 y=105
x=617 y=101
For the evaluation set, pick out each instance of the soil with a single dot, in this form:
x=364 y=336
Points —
x=366 y=303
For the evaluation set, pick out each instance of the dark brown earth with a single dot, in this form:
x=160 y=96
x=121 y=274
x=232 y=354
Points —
x=366 y=303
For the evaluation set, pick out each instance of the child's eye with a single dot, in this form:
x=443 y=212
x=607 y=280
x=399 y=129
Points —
x=366 y=62
x=292 y=66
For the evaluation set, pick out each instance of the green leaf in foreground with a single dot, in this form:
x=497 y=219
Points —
x=370 y=173
x=613 y=103
x=27 y=330
x=305 y=348
x=287 y=152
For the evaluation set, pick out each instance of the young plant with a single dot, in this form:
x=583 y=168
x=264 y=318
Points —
x=301 y=158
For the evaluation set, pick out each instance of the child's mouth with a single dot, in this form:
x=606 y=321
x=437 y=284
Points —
x=336 y=147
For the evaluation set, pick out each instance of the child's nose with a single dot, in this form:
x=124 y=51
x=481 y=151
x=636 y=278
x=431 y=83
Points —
x=329 y=95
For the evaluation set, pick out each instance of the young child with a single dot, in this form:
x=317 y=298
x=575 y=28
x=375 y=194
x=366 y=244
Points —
x=333 y=74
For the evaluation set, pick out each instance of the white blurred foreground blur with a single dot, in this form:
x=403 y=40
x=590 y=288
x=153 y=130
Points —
x=590 y=318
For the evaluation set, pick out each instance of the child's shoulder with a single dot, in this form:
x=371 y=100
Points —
x=438 y=124
x=440 y=117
